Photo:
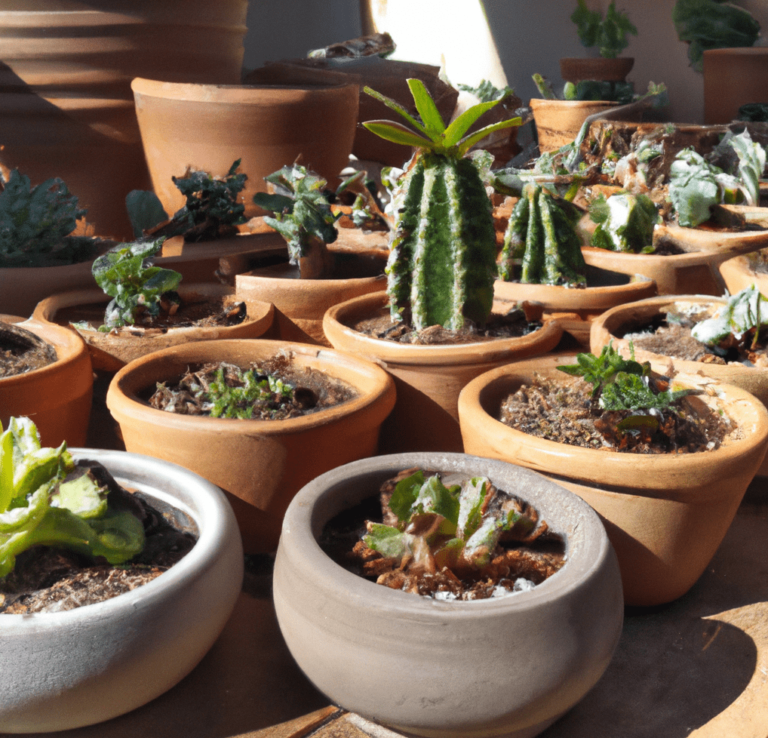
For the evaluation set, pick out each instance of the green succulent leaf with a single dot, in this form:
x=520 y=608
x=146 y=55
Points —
x=404 y=495
x=457 y=129
x=625 y=222
x=397 y=133
x=745 y=311
x=398 y=108
x=426 y=108
x=388 y=541
x=145 y=211
x=467 y=143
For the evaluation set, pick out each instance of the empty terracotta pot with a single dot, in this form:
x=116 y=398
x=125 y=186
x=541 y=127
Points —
x=665 y=514
x=210 y=126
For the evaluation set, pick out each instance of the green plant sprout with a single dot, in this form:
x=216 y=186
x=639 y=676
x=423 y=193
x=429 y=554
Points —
x=136 y=287
x=39 y=506
x=609 y=34
x=303 y=218
x=442 y=261
x=36 y=223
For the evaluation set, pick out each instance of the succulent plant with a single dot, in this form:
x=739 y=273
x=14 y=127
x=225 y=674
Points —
x=443 y=251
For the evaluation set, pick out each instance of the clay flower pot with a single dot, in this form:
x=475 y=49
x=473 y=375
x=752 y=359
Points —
x=732 y=78
x=508 y=666
x=259 y=464
x=58 y=396
x=576 y=69
x=210 y=126
x=428 y=378
x=112 y=352
x=739 y=273
x=558 y=121
x=575 y=309
x=665 y=514
x=68 y=669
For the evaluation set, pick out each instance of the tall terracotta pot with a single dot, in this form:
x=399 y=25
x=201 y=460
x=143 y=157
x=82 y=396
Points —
x=665 y=514
x=259 y=464
x=428 y=378
x=732 y=78
x=210 y=126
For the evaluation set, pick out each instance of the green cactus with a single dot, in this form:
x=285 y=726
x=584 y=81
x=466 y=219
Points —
x=541 y=245
x=442 y=263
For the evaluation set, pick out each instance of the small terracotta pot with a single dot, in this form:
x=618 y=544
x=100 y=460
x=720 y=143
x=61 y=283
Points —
x=617 y=320
x=501 y=667
x=665 y=514
x=732 y=78
x=739 y=273
x=428 y=378
x=64 y=670
x=210 y=126
x=112 y=352
x=558 y=121
x=576 y=69
x=58 y=396
x=259 y=464
x=575 y=309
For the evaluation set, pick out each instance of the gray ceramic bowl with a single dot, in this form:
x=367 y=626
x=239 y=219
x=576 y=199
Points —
x=500 y=667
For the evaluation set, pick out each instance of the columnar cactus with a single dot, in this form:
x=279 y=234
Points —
x=442 y=262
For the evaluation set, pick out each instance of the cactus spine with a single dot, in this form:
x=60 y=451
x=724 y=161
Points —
x=442 y=265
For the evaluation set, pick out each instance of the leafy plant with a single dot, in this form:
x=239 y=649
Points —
x=366 y=207
x=740 y=320
x=712 y=24
x=609 y=34
x=303 y=218
x=620 y=92
x=38 y=507
x=486 y=91
x=625 y=222
x=35 y=223
x=133 y=284
x=442 y=260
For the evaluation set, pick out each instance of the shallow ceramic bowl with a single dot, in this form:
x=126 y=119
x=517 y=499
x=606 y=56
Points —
x=68 y=669
x=501 y=667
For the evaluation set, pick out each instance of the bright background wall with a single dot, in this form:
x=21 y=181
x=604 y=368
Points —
x=530 y=36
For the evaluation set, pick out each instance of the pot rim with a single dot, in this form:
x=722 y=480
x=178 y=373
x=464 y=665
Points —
x=540 y=102
x=301 y=522
x=205 y=504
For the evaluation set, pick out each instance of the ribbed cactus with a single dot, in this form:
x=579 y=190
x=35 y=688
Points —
x=442 y=262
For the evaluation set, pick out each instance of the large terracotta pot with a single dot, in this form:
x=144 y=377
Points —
x=576 y=69
x=732 y=78
x=112 y=352
x=259 y=464
x=504 y=667
x=58 y=396
x=665 y=514
x=558 y=122
x=575 y=309
x=210 y=126
x=428 y=378
x=68 y=669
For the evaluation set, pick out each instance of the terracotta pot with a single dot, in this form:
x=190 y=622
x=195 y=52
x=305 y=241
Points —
x=210 y=126
x=665 y=514
x=732 y=78
x=428 y=378
x=614 y=322
x=739 y=273
x=575 y=309
x=147 y=640
x=575 y=69
x=259 y=464
x=58 y=396
x=558 y=121
x=504 y=667
x=112 y=352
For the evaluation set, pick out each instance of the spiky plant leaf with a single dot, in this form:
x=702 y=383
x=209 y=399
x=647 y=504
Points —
x=426 y=108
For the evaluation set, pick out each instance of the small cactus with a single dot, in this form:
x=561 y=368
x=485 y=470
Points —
x=442 y=264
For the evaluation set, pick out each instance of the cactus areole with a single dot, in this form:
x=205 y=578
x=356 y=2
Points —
x=442 y=261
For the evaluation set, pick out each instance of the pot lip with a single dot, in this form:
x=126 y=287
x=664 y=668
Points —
x=228 y=94
x=310 y=285
x=469 y=353
x=738 y=51
x=206 y=505
x=361 y=593
x=690 y=258
x=540 y=102
x=641 y=284
x=122 y=401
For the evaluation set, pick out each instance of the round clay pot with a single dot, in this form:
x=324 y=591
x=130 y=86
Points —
x=739 y=273
x=112 y=352
x=501 y=667
x=665 y=514
x=558 y=121
x=576 y=69
x=732 y=78
x=210 y=126
x=58 y=396
x=618 y=320
x=428 y=378
x=68 y=669
x=575 y=309
x=259 y=464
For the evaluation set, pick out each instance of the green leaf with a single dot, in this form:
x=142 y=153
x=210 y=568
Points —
x=83 y=496
x=145 y=211
x=6 y=469
x=468 y=142
x=397 y=107
x=625 y=222
x=471 y=503
x=427 y=109
x=435 y=497
x=397 y=133
x=457 y=129
x=388 y=541
x=404 y=495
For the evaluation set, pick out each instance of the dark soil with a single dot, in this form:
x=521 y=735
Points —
x=313 y=390
x=22 y=351
x=515 y=566
x=48 y=579
x=563 y=411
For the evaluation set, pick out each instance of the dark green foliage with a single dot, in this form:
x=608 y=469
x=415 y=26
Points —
x=754 y=112
x=609 y=34
x=591 y=89
x=486 y=91
x=625 y=222
x=35 y=223
x=145 y=211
